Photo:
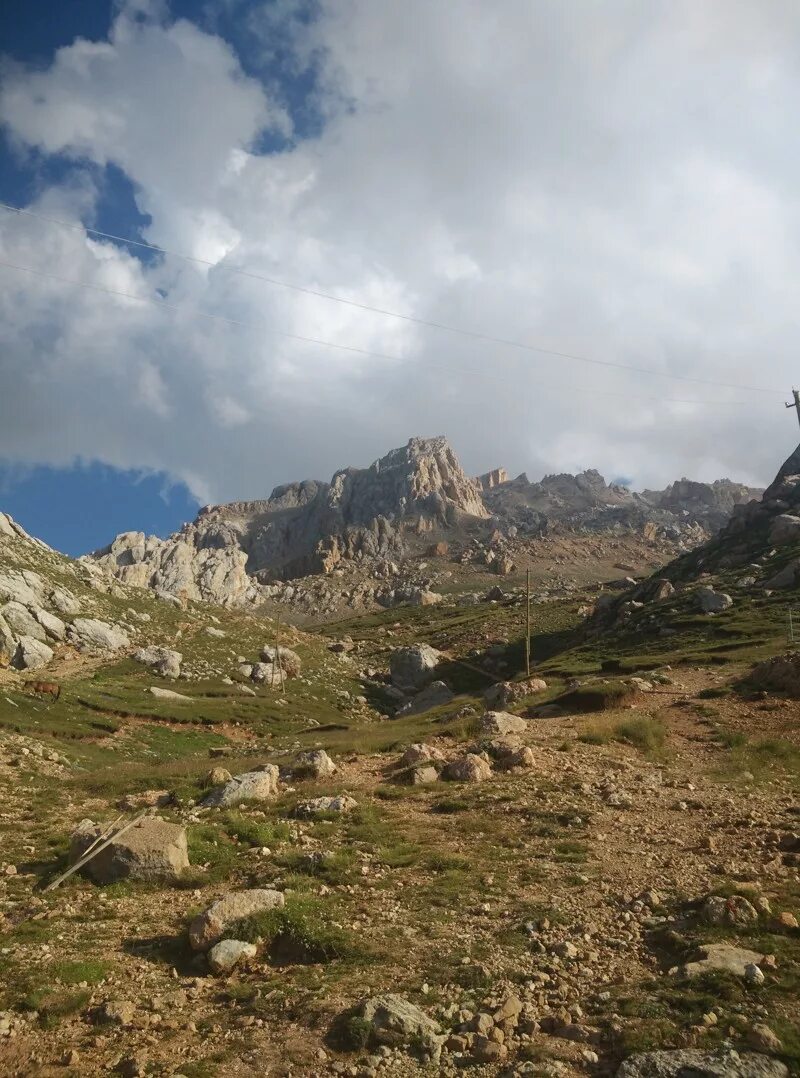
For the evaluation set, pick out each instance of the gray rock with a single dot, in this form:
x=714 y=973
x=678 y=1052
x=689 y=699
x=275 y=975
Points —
x=31 y=654
x=434 y=695
x=290 y=661
x=319 y=806
x=21 y=586
x=697 y=1063
x=8 y=642
x=162 y=661
x=784 y=529
x=712 y=602
x=211 y=926
x=22 y=622
x=64 y=601
x=419 y=753
x=168 y=694
x=53 y=626
x=226 y=954
x=736 y=910
x=315 y=764
x=412 y=668
x=94 y=635
x=501 y=722
x=250 y=786
x=152 y=850
x=721 y=956
x=787 y=577
x=469 y=768
x=395 y=1021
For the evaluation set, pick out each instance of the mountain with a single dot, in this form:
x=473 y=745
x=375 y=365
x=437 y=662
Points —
x=411 y=500
x=685 y=509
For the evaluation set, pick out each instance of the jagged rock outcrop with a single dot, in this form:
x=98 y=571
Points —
x=407 y=503
x=309 y=527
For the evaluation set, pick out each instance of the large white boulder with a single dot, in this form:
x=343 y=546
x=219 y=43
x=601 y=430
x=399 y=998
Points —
x=250 y=786
x=152 y=850
x=94 y=635
x=411 y=668
x=31 y=654
x=212 y=925
x=22 y=622
x=162 y=661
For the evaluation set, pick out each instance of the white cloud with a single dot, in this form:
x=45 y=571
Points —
x=589 y=178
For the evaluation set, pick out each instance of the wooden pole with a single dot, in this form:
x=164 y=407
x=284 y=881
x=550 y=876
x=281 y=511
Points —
x=528 y=623
x=278 y=654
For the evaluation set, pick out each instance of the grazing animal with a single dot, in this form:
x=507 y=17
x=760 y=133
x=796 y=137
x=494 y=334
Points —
x=44 y=688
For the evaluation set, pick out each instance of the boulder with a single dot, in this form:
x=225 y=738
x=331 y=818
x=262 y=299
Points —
x=64 y=601
x=22 y=622
x=31 y=654
x=423 y=597
x=320 y=806
x=162 y=661
x=8 y=642
x=21 y=586
x=469 y=768
x=152 y=850
x=168 y=694
x=53 y=626
x=522 y=759
x=501 y=722
x=700 y=1063
x=211 y=926
x=226 y=954
x=434 y=695
x=412 y=668
x=250 y=786
x=290 y=661
x=394 y=1021
x=781 y=674
x=422 y=775
x=419 y=753
x=784 y=529
x=787 y=577
x=94 y=635
x=712 y=602
x=217 y=776
x=314 y=764
x=711 y=957
x=735 y=910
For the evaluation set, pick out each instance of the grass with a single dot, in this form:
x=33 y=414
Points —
x=647 y=734
x=301 y=932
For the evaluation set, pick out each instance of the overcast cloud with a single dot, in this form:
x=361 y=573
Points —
x=616 y=180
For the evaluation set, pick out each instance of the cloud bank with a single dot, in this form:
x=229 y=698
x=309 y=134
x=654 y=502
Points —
x=607 y=180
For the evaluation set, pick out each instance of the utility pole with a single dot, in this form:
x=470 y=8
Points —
x=528 y=623
x=795 y=403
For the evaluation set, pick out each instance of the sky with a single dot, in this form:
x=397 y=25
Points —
x=600 y=200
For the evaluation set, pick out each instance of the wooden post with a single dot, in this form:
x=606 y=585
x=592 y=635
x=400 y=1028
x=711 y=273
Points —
x=278 y=655
x=528 y=623
x=795 y=403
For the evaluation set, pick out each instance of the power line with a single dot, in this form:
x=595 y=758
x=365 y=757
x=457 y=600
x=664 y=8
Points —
x=165 y=304
x=447 y=327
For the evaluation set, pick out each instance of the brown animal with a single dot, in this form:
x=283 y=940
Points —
x=44 y=688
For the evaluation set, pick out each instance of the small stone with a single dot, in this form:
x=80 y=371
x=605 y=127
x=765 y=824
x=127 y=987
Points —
x=228 y=953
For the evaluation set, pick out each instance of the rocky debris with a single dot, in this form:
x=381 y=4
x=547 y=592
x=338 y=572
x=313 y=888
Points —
x=152 y=850
x=31 y=654
x=93 y=635
x=321 y=806
x=699 y=1063
x=721 y=956
x=168 y=694
x=468 y=768
x=501 y=722
x=434 y=695
x=251 y=786
x=779 y=674
x=290 y=661
x=394 y=1021
x=314 y=764
x=162 y=661
x=412 y=668
x=211 y=926
x=226 y=954
x=712 y=602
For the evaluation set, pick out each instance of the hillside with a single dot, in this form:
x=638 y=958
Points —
x=378 y=848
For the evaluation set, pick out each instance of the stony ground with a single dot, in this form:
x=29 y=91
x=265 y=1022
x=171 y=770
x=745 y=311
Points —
x=541 y=917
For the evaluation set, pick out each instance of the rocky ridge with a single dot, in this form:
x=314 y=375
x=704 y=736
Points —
x=391 y=514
